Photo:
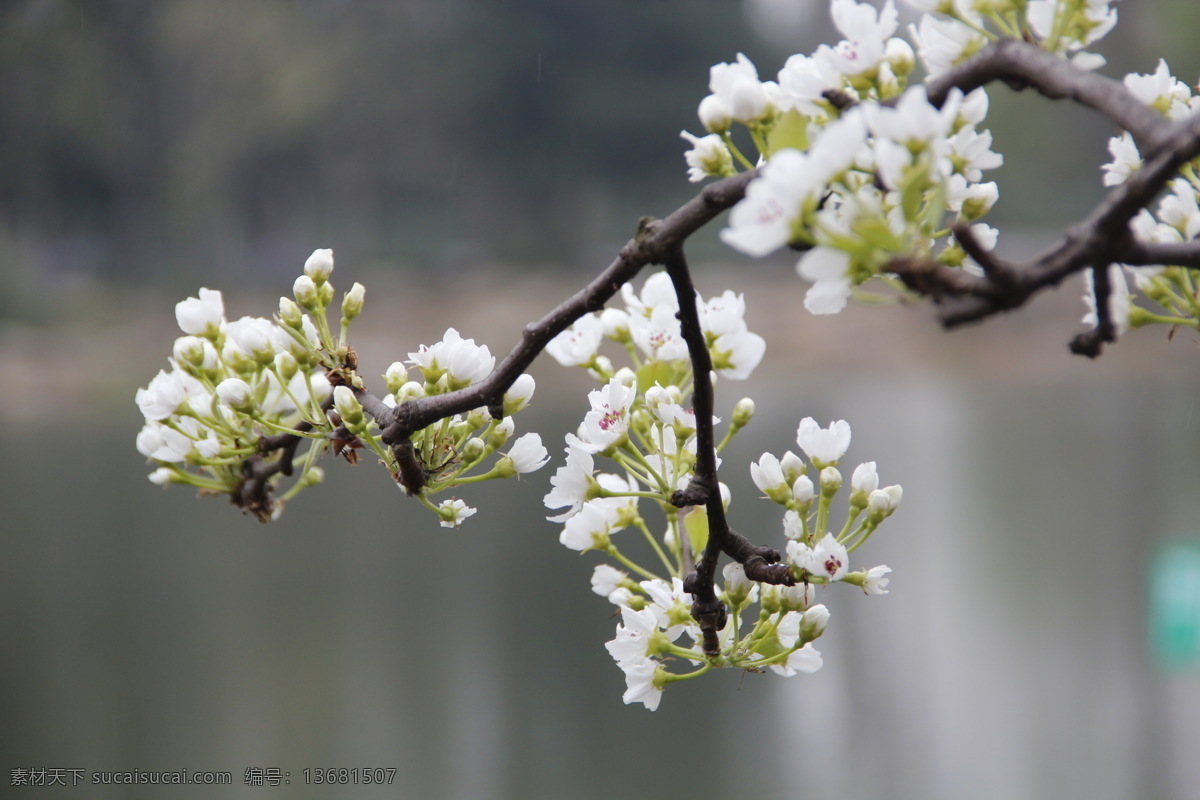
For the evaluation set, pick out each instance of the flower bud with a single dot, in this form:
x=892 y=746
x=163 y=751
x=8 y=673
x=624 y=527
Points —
x=601 y=367
x=615 y=322
x=409 y=391
x=742 y=412
x=236 y=393
x=737 y=585
x=500 y=433
x=312 y=476
x=290 y=315
x=882 y=502
x=831 y=481
x=352 y=303
x=286 y=366
x=714 y=114
x=793 y=466
x=899 y=54
x=396 y=376
x=626 y=377
x=347 y=406
x=473 y=450
x=163 y=475
x=189 y=353
x=519 y=394
x=325 y=293
x=798 y=597
x=319 y=266
x=812 y=625
x=305 y=292
x=803 y=492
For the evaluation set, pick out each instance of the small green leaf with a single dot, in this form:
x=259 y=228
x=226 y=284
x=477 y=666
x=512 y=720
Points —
x=791 y=130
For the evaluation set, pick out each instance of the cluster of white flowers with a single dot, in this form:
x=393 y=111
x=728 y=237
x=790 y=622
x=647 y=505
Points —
x=859 y=187
x=233 y=384
x=1176 y=219
x=638 y=419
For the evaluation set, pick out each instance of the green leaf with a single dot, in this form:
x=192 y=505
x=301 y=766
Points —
x=695 y=522
x=791 y=130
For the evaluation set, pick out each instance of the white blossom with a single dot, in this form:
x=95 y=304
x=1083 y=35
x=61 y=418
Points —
x=578 y=344
x=829 y=270
x=708 y=156
x=823 y=445
x=866 y=29
x=454 y=511
x=875 y=581
x=203 y=315
x=573 y=481
x=528 y=454
x=807 y=659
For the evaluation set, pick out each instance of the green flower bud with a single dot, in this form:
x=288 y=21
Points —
x=290 y=315
x=305 y=292
x=473 y=450
x=742 y=412
x=286 y=366
x=352 y=303
x=325 y=293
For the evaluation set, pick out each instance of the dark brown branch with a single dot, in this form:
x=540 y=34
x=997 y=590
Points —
x=1104 y=237
x=1021 y=64
x=760 y=563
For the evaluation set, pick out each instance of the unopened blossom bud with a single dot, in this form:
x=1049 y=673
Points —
x=797 y=597
x=286 y=366
x=813 y=623
x=803 y=492
x=601 y=368
x=737 y=585
x=395 y=377
x=189 y=353
x=883 y=502
x=769 y=599
x=325 y=293
x=864 y=481
x=163 y=475
x=347 y=406
x=899 y=55
x=321 y=388
x=305 y=292
x=519 y=394
x=312 y=476
x=411 y=390
x=478 y=417
x=626 y=377
x=606 y=579
x=831 y=481
x=290 y=315
x=615 y=322
x=319 y=266
x=792 y=465
x=714 y=114
x=500 y=434
x=742 y=412
x=238 y=361
x=236 y=393
x=473 y=450
x=352 y=303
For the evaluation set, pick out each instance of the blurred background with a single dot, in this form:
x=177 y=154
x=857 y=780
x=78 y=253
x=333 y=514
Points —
x=472 y=163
